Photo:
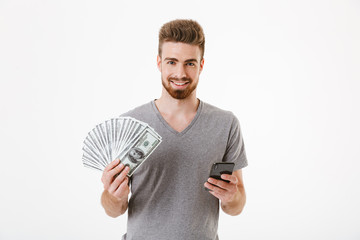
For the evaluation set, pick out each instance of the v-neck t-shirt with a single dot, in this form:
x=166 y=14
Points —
x=168 y=199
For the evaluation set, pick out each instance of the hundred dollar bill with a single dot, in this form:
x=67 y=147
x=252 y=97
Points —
x=138 y=152
x=123 y=138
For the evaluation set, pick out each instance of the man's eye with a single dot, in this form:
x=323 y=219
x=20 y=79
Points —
x=171 y=62
x=190 y=64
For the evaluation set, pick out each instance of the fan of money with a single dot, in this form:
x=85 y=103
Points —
x=124 y=138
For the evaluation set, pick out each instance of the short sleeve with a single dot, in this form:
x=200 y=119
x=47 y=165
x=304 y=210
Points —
x=235 y=149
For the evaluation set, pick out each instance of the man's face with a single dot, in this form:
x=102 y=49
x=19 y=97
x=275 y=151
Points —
x=180 y=67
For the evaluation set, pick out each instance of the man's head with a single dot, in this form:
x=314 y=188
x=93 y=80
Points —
x=180 y=59
x=184 y=31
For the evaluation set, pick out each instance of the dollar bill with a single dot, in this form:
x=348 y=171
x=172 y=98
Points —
x=126 y=138
x=140 y=150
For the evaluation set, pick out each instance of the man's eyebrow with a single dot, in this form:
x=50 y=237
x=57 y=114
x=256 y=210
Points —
x=176 y=60
x=191 y=60
x=171 y=59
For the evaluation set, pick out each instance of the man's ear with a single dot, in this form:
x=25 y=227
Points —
x=158 y=60
x=201 y=65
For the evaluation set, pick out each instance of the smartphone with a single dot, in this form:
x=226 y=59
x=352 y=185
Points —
x=221 y=168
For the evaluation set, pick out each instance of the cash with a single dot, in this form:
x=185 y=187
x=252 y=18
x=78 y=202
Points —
x=125 y=138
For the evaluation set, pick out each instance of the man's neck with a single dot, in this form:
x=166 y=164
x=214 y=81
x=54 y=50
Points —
x=170 y=106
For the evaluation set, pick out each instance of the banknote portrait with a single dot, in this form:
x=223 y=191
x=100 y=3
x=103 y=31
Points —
x=136 y=155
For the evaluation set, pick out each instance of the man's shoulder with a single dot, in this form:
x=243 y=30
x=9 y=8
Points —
x=138 y=111
x=216 y=112
x=219 y=119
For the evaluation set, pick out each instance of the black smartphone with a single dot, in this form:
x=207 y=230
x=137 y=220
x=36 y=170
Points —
x=221 y=168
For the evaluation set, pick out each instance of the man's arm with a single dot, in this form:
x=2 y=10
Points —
x=114 y=198
x=232 y=194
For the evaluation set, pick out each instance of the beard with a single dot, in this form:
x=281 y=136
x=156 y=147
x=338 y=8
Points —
x=179 y=93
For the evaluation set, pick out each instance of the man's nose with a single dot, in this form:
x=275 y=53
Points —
x=180 y=71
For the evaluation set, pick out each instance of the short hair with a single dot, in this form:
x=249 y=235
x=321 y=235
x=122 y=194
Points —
x=182 y=30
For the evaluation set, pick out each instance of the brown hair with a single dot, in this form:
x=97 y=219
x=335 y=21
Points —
x=182 y=30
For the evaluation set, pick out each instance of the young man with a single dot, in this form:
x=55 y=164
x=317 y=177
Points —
x=168 y=199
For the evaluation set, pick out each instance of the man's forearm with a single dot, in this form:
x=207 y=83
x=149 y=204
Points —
x=235 y=206
x=113 y=206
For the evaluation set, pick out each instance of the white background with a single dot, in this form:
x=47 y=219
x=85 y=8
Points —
x=288 y=69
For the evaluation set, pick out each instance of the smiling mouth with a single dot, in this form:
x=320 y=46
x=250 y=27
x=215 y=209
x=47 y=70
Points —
x=179 y=83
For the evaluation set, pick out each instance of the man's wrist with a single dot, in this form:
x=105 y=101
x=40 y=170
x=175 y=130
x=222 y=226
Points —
x=235 y=205
x=113 y=206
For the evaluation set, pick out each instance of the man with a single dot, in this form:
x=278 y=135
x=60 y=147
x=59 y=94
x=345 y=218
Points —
x=168 y=199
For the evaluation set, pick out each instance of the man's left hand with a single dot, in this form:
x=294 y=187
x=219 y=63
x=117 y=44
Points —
x=222 y=190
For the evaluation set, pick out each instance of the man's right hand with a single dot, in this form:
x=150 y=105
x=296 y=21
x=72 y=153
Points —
x=117 y=187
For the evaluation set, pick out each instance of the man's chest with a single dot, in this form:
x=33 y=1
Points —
x=191 y=153
x=179 y=122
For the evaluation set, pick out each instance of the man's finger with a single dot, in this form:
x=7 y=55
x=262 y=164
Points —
x=219 y=190
x=215 y=194
x=214 y=188
x=119 y=180
x=219 y=183
x=123 y=188
x=108 y=177
x=116 y=170
x=112 y=165
x=230 y=178
x=116 y=183
x=124 y=172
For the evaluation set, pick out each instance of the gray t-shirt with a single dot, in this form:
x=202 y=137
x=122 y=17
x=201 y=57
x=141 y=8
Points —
x=168 y=199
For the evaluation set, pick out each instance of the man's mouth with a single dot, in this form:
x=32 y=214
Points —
x=179 y=84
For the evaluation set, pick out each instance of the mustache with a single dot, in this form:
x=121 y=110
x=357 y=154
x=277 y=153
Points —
x=184 y=79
